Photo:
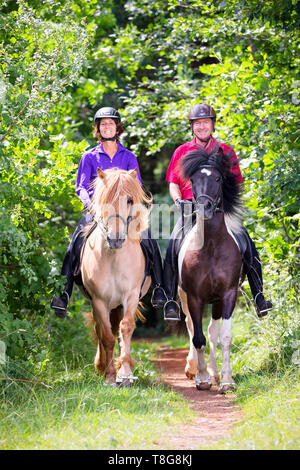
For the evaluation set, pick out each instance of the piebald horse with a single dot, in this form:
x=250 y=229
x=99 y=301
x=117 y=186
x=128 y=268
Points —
x=113 y=267
x=210 y=263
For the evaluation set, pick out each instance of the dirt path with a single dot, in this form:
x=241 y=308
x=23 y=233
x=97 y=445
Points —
x=216 y=413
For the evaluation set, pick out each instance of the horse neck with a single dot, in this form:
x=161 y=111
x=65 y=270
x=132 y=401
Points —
x=212 y=227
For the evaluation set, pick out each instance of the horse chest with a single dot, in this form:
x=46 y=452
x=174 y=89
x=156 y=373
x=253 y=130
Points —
x=209 y=267
x=112 y=275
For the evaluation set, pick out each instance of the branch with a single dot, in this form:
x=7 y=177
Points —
x=16 y=118
x=34 y=86
x=9 y=268
x=28 y=381
x=8 y=334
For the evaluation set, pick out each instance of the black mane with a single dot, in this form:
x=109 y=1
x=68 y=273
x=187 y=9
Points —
x=200 y=158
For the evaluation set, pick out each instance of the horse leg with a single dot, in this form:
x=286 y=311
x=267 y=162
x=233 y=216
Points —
x=100 y=358
x=213 y=335
x=127 y=326
x=191 y=360
x=228 y=304
x=202 y=379
x=106 y=342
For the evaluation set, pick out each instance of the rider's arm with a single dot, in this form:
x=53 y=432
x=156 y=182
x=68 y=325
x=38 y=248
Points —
x=175 y=192
x=84 y=180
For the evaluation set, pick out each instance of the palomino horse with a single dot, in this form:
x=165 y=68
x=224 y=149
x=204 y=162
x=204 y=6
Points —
x=210 y=263
x=113 y=267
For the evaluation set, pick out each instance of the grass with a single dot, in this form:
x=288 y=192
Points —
x=81 y=412
x=271 y=408
x=267 y=380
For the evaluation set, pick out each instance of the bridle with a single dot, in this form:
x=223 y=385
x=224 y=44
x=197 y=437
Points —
x=215 y=203
x=104 y=226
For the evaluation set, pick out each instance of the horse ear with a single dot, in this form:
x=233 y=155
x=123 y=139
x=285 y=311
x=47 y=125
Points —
x=134 y=173
x=100 y=173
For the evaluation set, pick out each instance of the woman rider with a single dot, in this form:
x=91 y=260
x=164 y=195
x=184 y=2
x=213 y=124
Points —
x=109 y=153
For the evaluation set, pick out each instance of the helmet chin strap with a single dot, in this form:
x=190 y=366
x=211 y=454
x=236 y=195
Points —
x=204 y=141
x=109 y=139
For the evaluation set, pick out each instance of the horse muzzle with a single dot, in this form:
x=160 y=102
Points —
x=115 y=243
x=205 y=207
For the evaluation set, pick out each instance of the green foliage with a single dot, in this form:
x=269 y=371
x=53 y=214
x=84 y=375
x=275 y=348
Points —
x=61 y=60
x=39 y=59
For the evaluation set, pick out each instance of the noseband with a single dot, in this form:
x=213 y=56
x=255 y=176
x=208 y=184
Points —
x=126 y=222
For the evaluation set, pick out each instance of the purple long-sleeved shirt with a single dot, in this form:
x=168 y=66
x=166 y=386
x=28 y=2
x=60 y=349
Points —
x=98 y=158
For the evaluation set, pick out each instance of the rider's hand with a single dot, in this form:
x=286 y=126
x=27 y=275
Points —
x=180 y=203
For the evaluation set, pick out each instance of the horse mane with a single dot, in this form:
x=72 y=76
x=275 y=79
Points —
x=218 y=160
x=114 y=184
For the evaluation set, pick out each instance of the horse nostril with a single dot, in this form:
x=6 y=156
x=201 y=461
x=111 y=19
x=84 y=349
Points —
x=115 y=243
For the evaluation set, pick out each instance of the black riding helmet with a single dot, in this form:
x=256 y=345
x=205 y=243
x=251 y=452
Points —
x=201 y=111
x=107 y=112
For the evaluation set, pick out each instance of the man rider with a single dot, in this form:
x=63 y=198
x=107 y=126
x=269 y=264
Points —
x=202 y=119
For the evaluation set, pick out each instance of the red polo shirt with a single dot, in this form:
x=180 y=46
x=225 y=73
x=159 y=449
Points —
x=173 y=169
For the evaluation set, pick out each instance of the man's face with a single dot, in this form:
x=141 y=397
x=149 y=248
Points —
x=203 y=128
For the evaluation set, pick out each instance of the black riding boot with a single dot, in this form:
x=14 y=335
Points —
x=151 y=246
x=171 y=308
x=60 y=304
x=70 y=265
x=254 y=275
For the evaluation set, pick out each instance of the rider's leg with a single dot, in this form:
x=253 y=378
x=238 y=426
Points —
x=254 y=275
x=171 y=308
x=60 y=304
x=158 y=298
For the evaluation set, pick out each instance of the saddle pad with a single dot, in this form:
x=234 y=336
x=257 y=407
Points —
x=241 y=239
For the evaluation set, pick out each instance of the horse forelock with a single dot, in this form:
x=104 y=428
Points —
x=117 y=183
x=217 y=159
x=114 y=185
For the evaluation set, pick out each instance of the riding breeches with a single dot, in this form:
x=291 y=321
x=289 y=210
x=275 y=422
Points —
x=251 y=260
x=150 y=247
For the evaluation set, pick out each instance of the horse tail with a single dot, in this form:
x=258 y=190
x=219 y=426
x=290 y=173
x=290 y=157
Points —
x=90 y=324
x=178 y=328
x=138 y=312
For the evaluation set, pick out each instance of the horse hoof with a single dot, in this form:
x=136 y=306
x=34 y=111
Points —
x=110 y=380
x=215 y=380
x=125 y=381
x=203 y=386
x=228 y=387
x=189 y=375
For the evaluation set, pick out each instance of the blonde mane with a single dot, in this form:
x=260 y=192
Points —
x=112 y=184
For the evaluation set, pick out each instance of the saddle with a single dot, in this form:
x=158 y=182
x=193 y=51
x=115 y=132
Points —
x=242 y=240
x=78 y=247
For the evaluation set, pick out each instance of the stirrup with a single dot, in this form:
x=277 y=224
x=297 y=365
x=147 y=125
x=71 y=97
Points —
x=60 y=312
x=174 y=314
x=159 y=302
x=267 y=307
